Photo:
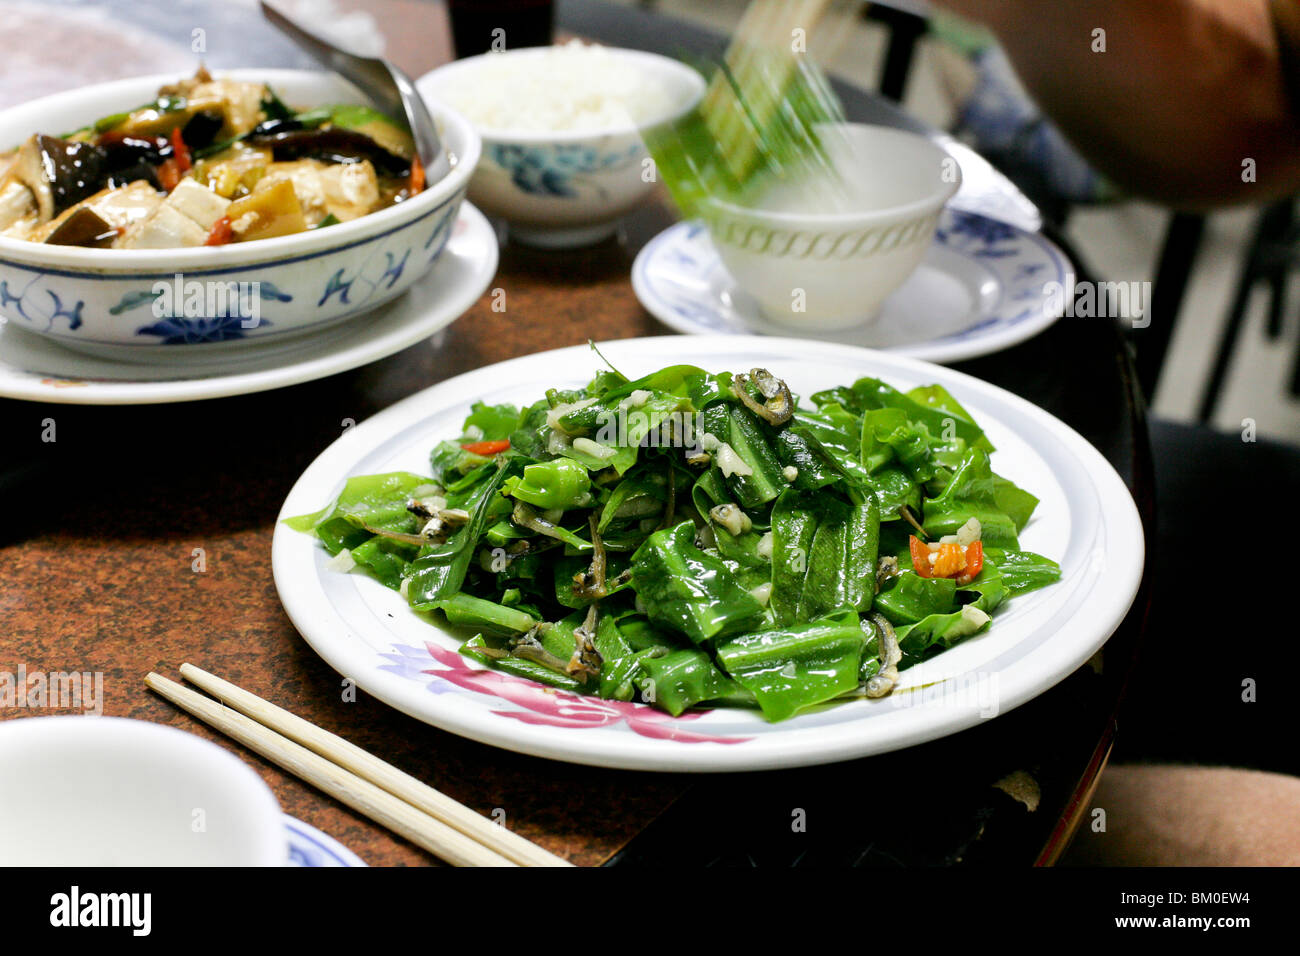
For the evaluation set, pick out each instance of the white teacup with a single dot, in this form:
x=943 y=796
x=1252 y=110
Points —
x=105 y=791
x=825 y=256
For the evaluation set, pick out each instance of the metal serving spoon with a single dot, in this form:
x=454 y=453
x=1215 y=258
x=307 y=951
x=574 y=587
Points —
x=390 y=89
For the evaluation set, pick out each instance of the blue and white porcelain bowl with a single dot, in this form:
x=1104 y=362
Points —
x=566 y=188
x=107 y=300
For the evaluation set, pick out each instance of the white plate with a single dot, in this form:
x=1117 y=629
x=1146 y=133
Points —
x=979 y=289
x=37 y=368
x=1086 y=520
x=312 y=849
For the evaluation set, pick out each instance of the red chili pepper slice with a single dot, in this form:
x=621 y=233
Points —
x=169 y=174
x=221 y=232
x=486 y=448
x=180 y=152
x=951 y=560
x=924 y=568
x=920 y=556
x=974 y=562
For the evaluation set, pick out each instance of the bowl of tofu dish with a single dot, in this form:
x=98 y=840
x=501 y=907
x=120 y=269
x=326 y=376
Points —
x=214 y=210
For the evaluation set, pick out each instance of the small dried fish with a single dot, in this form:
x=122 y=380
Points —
x=885 y=571
x=529 y=647
x=590 y=584
x=779 y=407
x=882 y=683
x=586 y=661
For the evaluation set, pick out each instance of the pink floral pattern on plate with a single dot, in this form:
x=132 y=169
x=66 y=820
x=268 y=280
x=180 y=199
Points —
x=538 y=704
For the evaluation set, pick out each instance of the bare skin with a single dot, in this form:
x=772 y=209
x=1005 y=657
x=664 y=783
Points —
x=1191 y=816
x=1184 y=94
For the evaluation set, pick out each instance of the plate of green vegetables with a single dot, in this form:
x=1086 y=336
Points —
x=708 y=554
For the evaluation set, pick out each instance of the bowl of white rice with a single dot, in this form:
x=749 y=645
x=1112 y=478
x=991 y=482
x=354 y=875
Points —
x=563 y=158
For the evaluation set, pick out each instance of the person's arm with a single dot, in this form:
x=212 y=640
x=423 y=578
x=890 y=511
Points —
x=1185 y=92
x=1190 y=816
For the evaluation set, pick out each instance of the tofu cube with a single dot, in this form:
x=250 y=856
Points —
x=166 y=228
x=199 y=203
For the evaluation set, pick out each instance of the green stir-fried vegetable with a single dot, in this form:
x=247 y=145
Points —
x=756 y=125
x=696 y=538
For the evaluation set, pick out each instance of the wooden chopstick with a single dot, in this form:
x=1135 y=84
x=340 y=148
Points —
x=369 y=767
x=361 y=795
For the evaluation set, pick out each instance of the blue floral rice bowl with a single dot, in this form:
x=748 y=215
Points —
x=565 y=187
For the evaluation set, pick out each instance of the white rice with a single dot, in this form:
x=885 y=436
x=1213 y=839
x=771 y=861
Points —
x=569 y=87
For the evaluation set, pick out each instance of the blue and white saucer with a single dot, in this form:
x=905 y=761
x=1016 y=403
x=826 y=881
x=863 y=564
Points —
x=308 y=847
x=982 y=287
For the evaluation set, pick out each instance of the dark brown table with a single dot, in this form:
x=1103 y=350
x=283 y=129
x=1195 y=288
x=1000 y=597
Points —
x=97 y=548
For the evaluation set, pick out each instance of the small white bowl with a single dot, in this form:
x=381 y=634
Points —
x=103 y=300
x=565 y=188
x=105 y=791
x=824 y=271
